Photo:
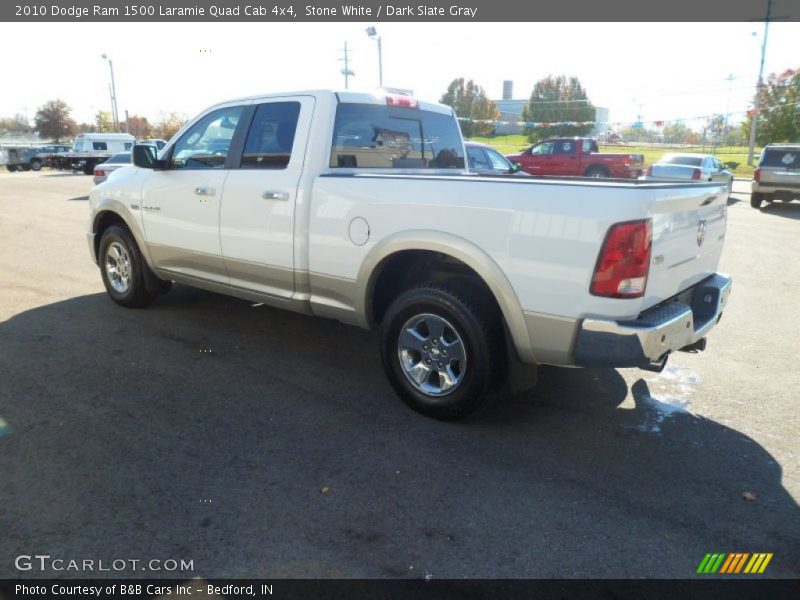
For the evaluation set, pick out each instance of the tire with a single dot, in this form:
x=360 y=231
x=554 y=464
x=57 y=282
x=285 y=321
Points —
x=597 y=172
x=36 y=165
x=88 y=168
x=118 y=249
x=756 y=199
x=11 y=168
x=420 y=326
x=730 y=187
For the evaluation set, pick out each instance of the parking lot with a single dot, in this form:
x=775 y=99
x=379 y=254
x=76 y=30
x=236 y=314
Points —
x=261 y=443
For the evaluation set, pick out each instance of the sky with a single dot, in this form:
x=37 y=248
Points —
x=663 y=71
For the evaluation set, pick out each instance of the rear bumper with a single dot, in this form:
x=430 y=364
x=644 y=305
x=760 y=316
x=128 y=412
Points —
x=774 y=187
x=656 y=332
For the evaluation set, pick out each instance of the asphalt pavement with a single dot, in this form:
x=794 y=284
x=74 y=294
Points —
x=260 y=443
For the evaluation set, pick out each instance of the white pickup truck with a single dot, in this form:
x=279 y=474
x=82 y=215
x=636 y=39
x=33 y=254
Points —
x=358 y=207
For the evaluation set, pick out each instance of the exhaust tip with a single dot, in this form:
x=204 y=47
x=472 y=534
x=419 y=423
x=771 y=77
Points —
x=657 y=365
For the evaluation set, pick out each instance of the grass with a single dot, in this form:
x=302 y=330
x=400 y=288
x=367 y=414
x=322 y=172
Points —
x=511 y=144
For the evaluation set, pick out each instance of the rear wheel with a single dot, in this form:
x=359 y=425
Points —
x=441 y=354
x=123 y=268
x=36 y=164
x=597 y=172
x=756 y=199
x=11 y=168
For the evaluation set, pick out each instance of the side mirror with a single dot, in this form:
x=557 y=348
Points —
x=516 y=167
x=144 y=156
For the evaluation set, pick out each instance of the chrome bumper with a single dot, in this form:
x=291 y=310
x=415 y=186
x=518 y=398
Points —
x=656 y=332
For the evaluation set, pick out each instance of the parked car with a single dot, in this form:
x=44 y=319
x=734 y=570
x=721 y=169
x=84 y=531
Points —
x=690 y=167
x=485 y=160
x=315 y=208
x=118 y=161
x=577 y=157
x=777 y=176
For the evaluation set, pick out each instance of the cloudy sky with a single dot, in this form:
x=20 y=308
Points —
x=675 y=71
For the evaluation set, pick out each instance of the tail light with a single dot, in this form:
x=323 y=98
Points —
x=757 y=175
x=401 y=100
x=650 y=171
x=696 y=174
x=98 y=173
x=624 y=261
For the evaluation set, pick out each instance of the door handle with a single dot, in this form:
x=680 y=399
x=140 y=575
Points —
x=270 y=195
x=205 y=191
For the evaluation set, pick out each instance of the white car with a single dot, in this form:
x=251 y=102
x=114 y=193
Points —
x=358 y=207
x=690 y=167
x=118 y=161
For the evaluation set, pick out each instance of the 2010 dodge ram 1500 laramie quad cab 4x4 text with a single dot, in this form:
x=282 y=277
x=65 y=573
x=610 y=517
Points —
x=358 y=207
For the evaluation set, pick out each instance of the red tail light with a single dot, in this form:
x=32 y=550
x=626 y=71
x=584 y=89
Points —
x=624 y=261
x=757 y=175
x=401 y=100
x=649 y=171
x=98 y=173
x=696 y=174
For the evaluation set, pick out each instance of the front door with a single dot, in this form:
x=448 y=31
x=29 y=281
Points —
x=258 y=206
x=181 y=204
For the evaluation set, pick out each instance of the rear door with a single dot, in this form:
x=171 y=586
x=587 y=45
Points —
x=181 y=205
x=261 y=191
x=565 y=155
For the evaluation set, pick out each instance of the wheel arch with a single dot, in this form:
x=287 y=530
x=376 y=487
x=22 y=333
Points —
x=111 y=212
x=455 y=247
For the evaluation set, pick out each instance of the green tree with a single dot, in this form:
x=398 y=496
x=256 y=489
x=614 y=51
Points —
x=470 y=102
x=675 y=133
x=53 y=121
x=167 y=126
x=556 y=99
x=103 y=122
x=779 y=118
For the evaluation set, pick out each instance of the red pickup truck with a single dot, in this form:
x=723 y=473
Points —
x=577 y=157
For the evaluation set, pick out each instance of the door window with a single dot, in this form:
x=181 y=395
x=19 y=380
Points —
x=477 y=158
x=565 y=147
x=271 y=136
x=499 y=163
x=206 y=144
x=543 y=148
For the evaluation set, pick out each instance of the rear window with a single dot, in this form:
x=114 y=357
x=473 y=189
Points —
x=690 y=161
x=386 y=137
x=774 y=157
x=122 y=157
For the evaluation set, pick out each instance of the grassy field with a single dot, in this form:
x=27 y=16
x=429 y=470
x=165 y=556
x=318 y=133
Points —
x=510 y=144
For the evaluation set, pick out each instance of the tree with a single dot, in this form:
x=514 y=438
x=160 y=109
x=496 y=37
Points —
x=103 y=122
x=168 y=125
x=675 y=133
x=779 y=117
x=138 y=127
x=53 y=120
x=558 y=99
x=469 y=101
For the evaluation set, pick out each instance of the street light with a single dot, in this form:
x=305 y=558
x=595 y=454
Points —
x=373 y=35
x=113 y=90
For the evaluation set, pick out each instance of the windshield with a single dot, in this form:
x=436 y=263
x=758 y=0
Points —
x=689 y=161
x=775 y=157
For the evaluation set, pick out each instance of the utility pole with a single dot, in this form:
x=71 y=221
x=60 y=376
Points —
x=729 y=79
x=347 y=72
x=113 y=89
x=127 y=122
x=757 y=103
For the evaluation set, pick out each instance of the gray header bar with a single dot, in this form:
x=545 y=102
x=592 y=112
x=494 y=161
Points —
x=376 y=11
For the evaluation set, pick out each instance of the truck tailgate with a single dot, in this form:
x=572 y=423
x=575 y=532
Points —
x=689 y=224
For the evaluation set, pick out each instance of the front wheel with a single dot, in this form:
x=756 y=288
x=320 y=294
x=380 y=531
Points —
x=756 y=199
x=123 y=268
x=441 y=354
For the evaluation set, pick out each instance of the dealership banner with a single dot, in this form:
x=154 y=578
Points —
x=380 y=11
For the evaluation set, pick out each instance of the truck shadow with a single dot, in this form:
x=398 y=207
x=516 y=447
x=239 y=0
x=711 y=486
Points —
x=783 y=209
x=258 y=443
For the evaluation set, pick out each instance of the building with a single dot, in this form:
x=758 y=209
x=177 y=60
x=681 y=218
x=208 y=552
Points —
x=511 y=110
